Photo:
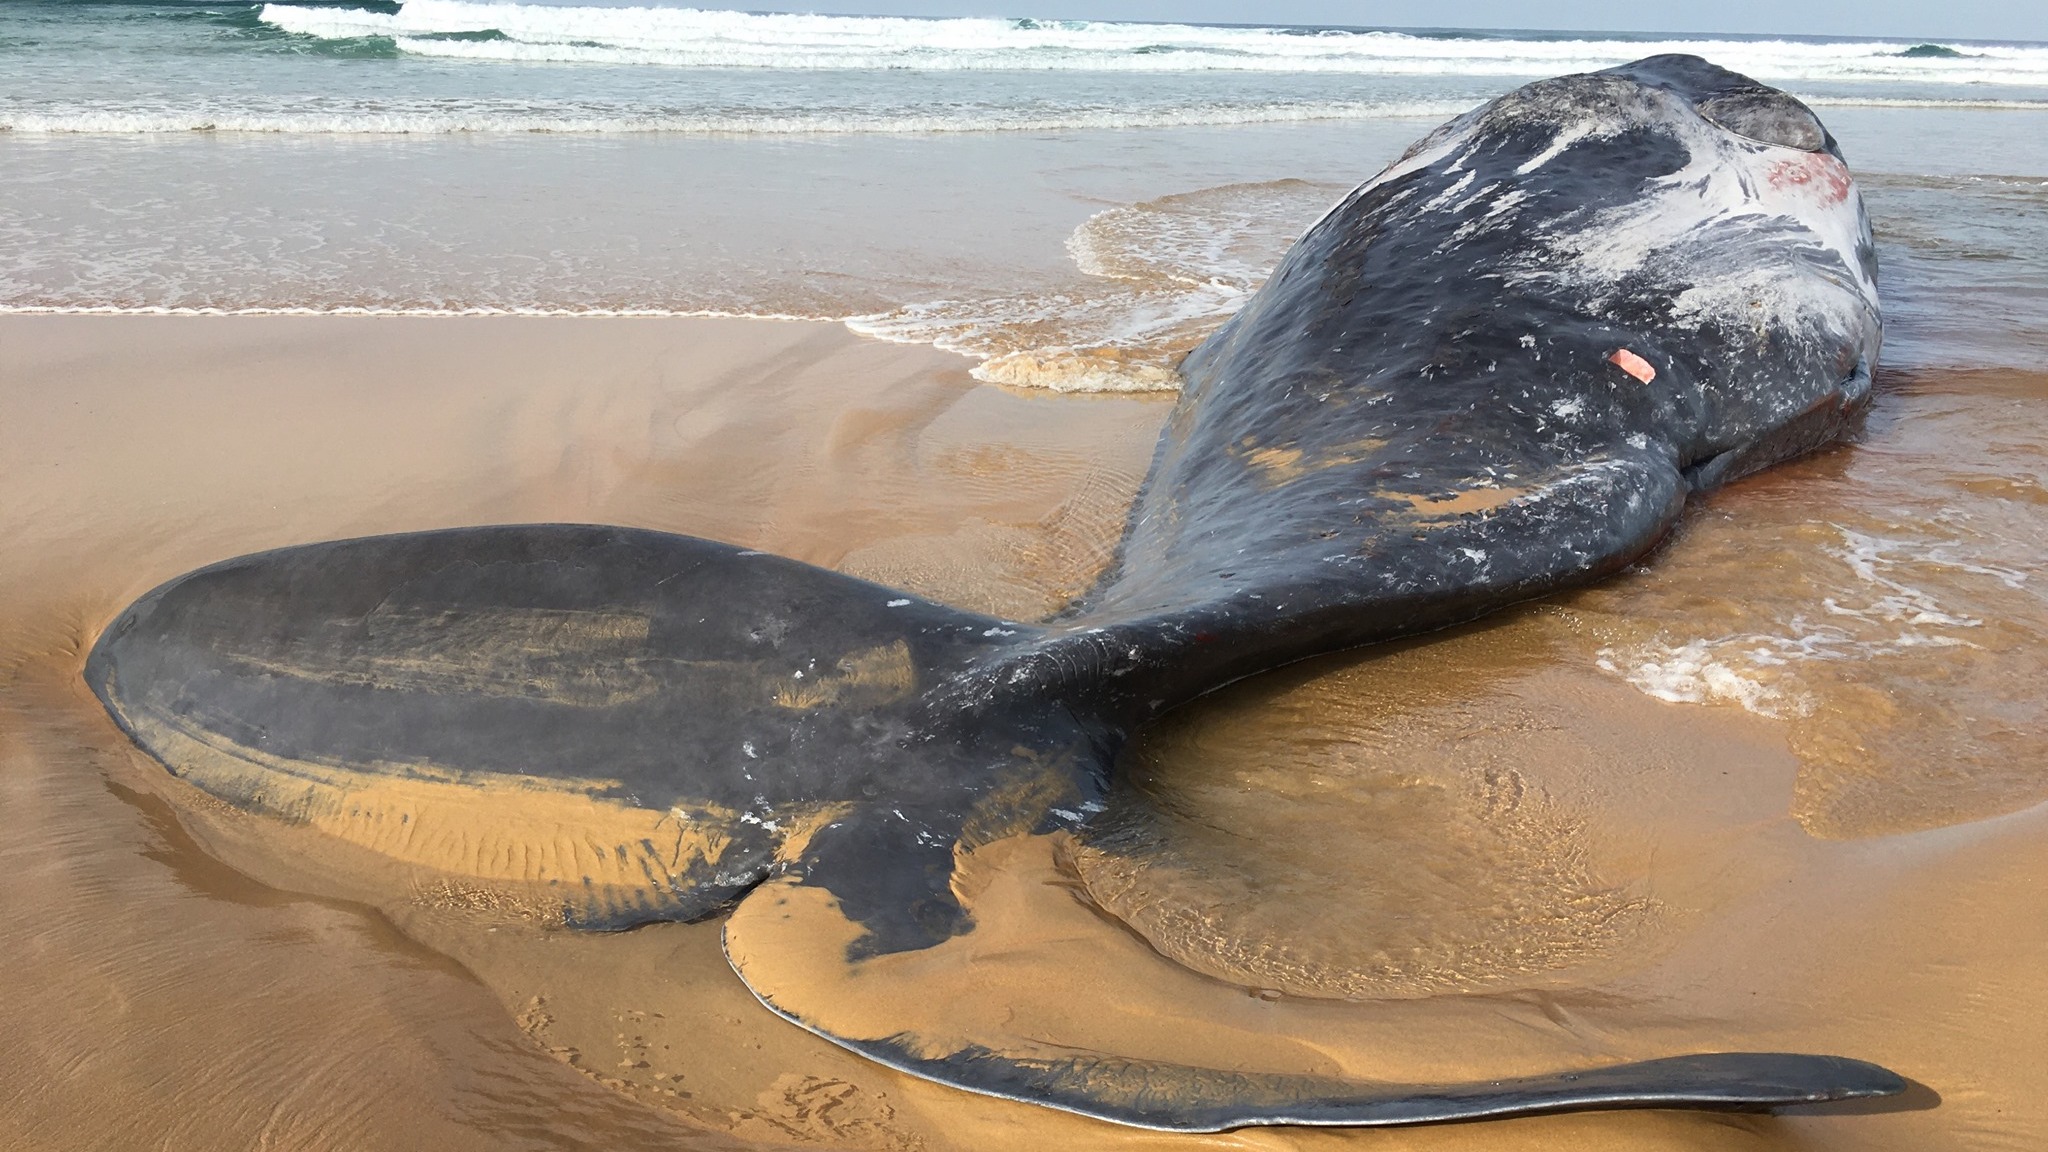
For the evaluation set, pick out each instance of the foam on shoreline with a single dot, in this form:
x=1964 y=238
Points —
x=529 y=118
x=687 y=37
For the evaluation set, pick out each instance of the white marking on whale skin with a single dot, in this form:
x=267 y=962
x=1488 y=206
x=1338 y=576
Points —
x=1494 y=217
x=1507 y=202
x=1438 y=202
x=1576 y=406
x=1426 y=153
x=1565 y=138
x=1458 y=165
x=1680 y=232
x=1474 y=198
x=1729 y=181
x=898 y=604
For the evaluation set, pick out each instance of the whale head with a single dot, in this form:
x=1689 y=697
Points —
x=1712 y=214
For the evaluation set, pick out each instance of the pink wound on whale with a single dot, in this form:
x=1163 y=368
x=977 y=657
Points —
x=1817 y=174
x=1634 y=365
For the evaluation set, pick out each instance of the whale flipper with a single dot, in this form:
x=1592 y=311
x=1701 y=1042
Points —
x=1177 y=1098
x=785 y=938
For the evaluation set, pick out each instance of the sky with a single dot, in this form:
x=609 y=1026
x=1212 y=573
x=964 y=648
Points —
x=1905 y=19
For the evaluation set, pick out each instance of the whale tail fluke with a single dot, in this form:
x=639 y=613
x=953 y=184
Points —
x=627 y=725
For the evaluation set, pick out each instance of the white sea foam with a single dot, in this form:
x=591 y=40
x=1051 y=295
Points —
x=531 y=117
x=1879 y=614
x=1695 y=673
x=1962 y=103
x=1161 y=275
x=536 y=117
x=1113 y=338
x=1155 y=278
x=1423 y=76
x=359 y=310
x=1872 y=557
x=689 y=37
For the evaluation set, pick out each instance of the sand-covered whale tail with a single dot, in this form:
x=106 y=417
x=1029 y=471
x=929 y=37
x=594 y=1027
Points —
x=620 y=726
x=629 y=726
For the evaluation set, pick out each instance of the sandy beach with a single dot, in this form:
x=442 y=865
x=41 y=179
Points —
x=1468 y=856
x=906 y=299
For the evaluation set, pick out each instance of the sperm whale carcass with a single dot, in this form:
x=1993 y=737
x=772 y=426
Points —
x=1496 y=370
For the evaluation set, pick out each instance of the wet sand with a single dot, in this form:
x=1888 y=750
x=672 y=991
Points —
x=1469 y=856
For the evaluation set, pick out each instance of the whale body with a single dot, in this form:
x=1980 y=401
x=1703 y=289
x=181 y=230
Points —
x=1496 y=370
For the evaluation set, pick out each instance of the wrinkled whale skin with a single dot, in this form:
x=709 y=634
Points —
x=1496 y=370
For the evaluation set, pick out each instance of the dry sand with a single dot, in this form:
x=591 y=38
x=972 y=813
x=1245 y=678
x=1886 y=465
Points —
x=1462 y=857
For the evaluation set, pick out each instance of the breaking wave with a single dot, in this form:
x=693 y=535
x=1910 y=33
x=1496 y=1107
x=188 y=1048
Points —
x=539 y=117
x=1924 y=102
x=689 y=37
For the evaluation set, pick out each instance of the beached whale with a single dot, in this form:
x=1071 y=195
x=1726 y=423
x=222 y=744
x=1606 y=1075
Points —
x=1494 y=371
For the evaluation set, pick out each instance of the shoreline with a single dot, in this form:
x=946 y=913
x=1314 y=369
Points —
x=633 y=421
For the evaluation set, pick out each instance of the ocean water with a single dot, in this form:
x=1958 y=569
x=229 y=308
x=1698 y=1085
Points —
x=1072 y=206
